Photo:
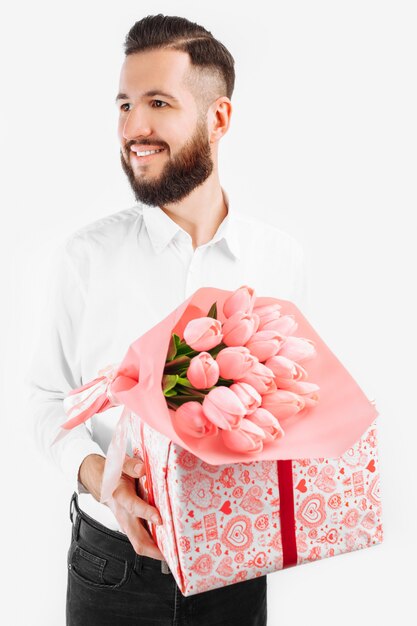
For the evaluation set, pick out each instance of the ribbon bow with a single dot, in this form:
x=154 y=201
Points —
x=95 y=397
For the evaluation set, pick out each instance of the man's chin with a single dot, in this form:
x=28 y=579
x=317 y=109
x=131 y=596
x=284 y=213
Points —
x=146 y=194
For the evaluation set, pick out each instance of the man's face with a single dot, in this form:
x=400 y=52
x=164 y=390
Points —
x=155 y=121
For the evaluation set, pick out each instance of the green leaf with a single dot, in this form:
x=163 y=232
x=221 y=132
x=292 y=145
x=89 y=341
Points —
x=179 y=399
x=184 y=381
x=169 y=382
x=213 y=311
x=174 y=343
x=186 y=391
x=172 y=350
x=186 y=350
x=215 y=351
x=225 y=381
x=177 y=365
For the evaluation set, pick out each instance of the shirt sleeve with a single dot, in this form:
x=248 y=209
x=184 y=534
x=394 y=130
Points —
x=55 y=369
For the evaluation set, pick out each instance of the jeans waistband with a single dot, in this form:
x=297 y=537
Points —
x=91 y=531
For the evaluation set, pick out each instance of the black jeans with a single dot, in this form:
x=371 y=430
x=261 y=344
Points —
x=110 y=585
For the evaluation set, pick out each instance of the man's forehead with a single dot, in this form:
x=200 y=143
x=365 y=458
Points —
x=154 y=70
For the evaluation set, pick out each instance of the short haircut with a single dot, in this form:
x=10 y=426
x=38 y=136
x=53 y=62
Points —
x=212 y=72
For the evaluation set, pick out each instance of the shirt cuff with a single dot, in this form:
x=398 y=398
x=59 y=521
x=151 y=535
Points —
x=71 y=458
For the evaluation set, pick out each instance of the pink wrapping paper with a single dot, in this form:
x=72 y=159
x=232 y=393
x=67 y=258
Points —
x=326 y=430
x=312 y=432
x=227 y=523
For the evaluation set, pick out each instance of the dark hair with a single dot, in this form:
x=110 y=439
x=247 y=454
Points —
x=212 y=74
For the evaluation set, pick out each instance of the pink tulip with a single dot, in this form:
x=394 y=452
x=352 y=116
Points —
x=284 y=325
x=285 y=370
x=268 y=422
x=297 y=349
x=306 y=390
x=268 y=314
x=190 y=418
x=248 y=395
x=265 y=343
x=235 y=361
x=282 y=403
x=203 y=371
x=239 y=327
x=247 y=438
x=241 y=300
x=203 y=333
x=268 y=311
x=260 y=377
x=222 y=407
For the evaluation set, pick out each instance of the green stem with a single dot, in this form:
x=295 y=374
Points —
x=172 y=367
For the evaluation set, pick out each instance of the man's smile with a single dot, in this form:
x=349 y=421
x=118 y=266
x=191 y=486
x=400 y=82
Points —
x=142 y=154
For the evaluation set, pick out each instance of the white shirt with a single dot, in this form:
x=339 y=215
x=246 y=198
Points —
x=113 y=280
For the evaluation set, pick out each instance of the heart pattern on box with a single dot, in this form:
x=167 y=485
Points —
x=233 y=527
x=203 y=565
x=325 y=481
x=312 y=510
x=225 y=508
x=371 y=465
x=238 y=533
x=250 y=502
x=302 y=486
x=351 y=518
x=373 y=492
x=225 y=567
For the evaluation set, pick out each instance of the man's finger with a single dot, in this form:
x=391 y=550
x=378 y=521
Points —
x=140 y=508
x=141 y=541
x=134 y=467
x=135 y=506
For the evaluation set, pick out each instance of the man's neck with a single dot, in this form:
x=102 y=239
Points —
x=200 y=214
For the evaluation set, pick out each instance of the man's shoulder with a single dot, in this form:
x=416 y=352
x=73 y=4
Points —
x=104 y=231
x=108 y=224
x=265 y=232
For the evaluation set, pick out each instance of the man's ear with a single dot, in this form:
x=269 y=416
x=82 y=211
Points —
x=219 y=117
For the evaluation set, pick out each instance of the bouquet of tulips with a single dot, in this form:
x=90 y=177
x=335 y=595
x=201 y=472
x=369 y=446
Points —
x=223 y=377
x=238 y=378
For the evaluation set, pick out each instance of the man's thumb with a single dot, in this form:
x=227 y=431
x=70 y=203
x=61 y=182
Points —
x=134 y=467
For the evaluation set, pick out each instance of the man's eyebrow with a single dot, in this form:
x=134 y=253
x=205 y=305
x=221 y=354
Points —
x=152 y=92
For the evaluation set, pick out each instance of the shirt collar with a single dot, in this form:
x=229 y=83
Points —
x=162 y=229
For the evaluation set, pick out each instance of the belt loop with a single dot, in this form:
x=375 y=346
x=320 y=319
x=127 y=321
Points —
x=77 y=520
x=138 y=563
x=76 y=527
x=71 y=509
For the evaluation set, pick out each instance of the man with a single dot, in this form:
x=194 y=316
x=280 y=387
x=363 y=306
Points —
x=119 y=276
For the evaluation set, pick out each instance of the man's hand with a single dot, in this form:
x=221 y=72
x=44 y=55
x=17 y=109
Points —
x=126 y=506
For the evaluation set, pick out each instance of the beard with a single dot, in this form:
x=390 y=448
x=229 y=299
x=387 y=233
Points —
x=182 y=173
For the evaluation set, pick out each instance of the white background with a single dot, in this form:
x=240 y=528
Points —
x=322 y=143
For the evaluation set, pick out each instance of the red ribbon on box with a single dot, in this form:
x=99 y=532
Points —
x=286 y=497
x=287 y=515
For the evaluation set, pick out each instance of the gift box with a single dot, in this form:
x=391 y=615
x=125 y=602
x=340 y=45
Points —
x=223 y=524
x=231 y=514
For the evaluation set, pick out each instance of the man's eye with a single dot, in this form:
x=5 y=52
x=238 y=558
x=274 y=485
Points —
x=159 y=101
x=126 y=104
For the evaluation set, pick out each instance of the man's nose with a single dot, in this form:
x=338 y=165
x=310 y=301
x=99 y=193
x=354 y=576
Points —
x=136 y=125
